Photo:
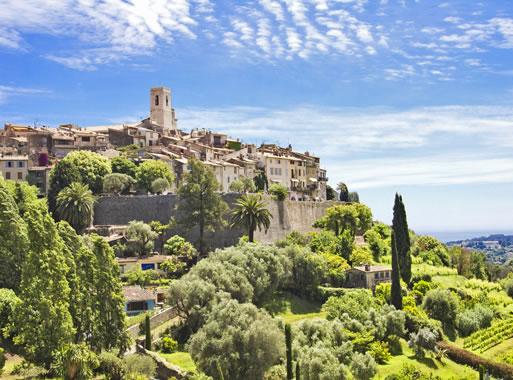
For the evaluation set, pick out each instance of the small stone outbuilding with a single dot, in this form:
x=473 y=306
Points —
x=368 y=276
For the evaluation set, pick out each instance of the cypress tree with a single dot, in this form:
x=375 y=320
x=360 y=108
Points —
x=288 y=346
x=397 y=298
x=402 y=238
x=298 y=371
x=147 y=330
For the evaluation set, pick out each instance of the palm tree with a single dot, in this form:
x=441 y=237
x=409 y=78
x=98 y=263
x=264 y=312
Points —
x=251 y=212
x=75 y=205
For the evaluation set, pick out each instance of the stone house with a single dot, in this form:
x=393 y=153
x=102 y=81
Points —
x=368 y=276
x=138 y=300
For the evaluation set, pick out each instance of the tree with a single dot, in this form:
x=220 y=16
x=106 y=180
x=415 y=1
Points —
x=178 y=246
x=81 y=277
x=63 y=174
x=345 y=244
x=278 y=191
x=422 y=340
x=151 y=170
x=14 y=241
x=243 y=340
x=117 y=183
x=199 y=203
x=76 y=362
x=343 y=192
x=140 y=237
x=288 y=347
x=236 y=186
x=110 y=326
x=9 y=301
x=147 y=332
x=75 y=204
x=339 y=218
x=23 y=195
x=441 y=304
x=330 y=193
x=354 y=197
x=402 y=238
x=250 y=212
x=397 y=298
x=248 y=185
x=260 y=181
x=43 y=321
x=123 y=165
x=363 y=366
x=360 y=255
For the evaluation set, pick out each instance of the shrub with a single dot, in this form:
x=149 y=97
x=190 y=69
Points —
x=380 y=352
x=117 y=183
x=151 y=170
x=112 y=366
x=474 y=319
x=159 y=185
x=169 y=345
x=236 y=186
x=508 y=286
x=394 y=345
x=363 y=366
x=337 y=267
x=278 y=191
x=137 y=364
x=361 y=256
x=323 y=241
x=123 y=166
x=424 y=339
x=441 y=304
x=383 y=292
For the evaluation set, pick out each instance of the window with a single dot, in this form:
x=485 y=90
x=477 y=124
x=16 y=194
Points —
x=7 y=175
x=376 y=275
x=20 y=176
x=20 y=164
x=167 y=101
x=9 y=164
x=86 y=139
x=147 y=266
x=150 y=142
x=156 y=100
x=279 y=161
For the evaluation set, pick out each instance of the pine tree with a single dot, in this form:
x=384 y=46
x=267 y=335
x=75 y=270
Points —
x=44 y=324
x=397 y=298
x=147 y=332
x=288 y=346
x=402 y=236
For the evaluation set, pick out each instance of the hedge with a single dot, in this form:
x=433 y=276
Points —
x=462 y=356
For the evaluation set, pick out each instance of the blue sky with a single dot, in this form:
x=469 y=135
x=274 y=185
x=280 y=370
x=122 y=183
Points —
x=393 y=95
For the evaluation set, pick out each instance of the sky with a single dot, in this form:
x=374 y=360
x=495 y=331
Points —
x=408 y=96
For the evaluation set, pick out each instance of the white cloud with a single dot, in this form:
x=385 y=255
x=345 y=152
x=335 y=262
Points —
x=434 y=141
x=7 y=92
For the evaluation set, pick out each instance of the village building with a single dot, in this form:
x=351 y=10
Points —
x=138 y=300
x=14 y=167
x=127 y=264
x=368 y=276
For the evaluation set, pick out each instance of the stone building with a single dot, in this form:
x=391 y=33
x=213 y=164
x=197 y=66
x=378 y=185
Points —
x=368 y=276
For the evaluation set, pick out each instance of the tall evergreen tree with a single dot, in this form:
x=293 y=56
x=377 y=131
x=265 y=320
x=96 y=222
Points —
x=110 y=325
x=44 y=324
x=402 y=237
x=82 y=279
x=288 y=347
x=13 y=241
x=343 y=192
x=298 y=371
x=396 y=296
x=200 y=204
x=147 y=332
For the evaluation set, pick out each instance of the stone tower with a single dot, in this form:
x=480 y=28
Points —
x=161 y=112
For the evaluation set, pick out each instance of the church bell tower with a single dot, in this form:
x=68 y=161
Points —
x=161 y=112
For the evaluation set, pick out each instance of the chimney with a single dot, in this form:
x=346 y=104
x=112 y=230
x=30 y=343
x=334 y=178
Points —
x=367 y=267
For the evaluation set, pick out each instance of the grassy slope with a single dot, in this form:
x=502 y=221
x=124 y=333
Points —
x=180 y=359
x=291 y=308
x=446 y=369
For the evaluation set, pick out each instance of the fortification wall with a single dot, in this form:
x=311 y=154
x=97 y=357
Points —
x=288 y=216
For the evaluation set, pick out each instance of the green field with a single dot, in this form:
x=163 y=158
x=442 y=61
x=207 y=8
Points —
x=447 y=369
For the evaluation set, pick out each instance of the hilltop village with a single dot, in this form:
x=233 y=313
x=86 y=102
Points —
x=29 y=152
x=139 y=251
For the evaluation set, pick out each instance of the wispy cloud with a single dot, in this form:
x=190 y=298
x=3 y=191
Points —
x=7 y=92
x=414 y=147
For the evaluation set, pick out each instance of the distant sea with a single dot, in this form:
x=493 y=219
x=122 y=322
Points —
x=447 y=236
